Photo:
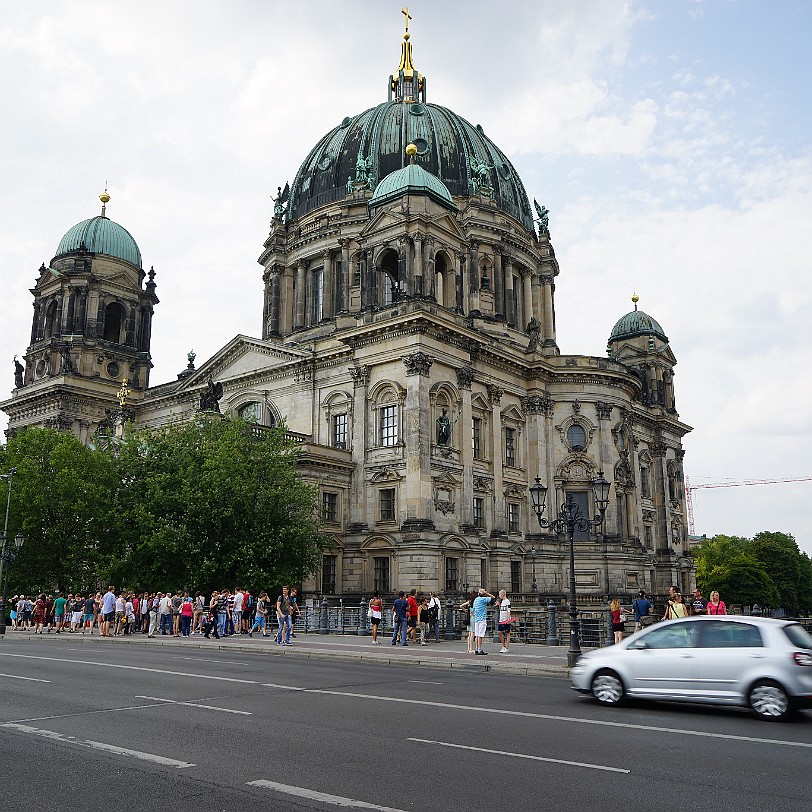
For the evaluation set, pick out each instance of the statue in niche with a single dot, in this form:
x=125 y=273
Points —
x=534 y=331
x=445 y=426
x=67 y=361
x=209 y=400
x=19 y=369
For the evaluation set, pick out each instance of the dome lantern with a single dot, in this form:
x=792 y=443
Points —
x=406 y=84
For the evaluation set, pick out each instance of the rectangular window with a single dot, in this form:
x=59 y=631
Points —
x=516 y=577
x=621 y=512
x=483 y=572
x=649 y=537
x=317 y=299
x=339 y=431
x=581 y=498
x=389 y=425
x=387 y=504
x=452 y=574
x=479 y=511
x=328 y=574
x=510 y=447
x=513 y=517
x=476 y=432
x=381 y=582
x=329 y=507
x=645 y=483
x=338 y=286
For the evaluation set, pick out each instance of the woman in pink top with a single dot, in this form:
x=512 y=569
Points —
x=716 y=606
x=186 y=613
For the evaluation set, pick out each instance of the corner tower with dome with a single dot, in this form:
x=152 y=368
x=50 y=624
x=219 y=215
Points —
x=409 y=345
x=90 y=333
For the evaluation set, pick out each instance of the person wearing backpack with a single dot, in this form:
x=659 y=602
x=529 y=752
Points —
x=641 y=606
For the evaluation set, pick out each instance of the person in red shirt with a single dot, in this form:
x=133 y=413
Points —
x=412 y=621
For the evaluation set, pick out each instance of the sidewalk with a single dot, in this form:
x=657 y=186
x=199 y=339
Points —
x=523 y=659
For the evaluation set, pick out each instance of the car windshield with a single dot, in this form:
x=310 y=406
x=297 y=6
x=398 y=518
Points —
x=798 y=635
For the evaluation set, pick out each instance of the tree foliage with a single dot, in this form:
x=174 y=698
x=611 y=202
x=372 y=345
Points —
x=768 y=569
x=213 y=503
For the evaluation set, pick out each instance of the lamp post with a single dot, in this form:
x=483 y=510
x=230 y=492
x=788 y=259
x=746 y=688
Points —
x=10 y=477
x=568 y=520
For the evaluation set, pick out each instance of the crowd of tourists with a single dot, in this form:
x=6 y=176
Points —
x=111 y=614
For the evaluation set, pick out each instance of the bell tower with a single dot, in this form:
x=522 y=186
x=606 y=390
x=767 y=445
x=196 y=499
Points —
x=91 y=331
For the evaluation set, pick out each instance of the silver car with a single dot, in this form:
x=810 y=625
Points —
x=756 y=662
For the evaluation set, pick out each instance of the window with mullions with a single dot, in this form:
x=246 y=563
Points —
x=581 y=498
x=381 y=570
x=387 y=504
x=513 y=517
x=515 y=576
x=510 y=447
x=389 y=425
x=328 y=574
x=339 y=437
x=329 y=507
x=476 y=433
x=576 y=437
x=317 y=283
x=452 y=574
x=479 y=512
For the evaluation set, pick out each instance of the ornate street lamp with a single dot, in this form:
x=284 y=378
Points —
x=568 y=520
x=10 y=477
x=8 y=553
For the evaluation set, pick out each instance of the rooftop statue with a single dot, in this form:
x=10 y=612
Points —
x=534 y=331
x=19 y=369
x=209 y=399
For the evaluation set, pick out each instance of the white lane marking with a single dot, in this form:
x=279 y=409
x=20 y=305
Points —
x=110 y=748
x=84 y=713
x=522 y=755
x=313 y=795
x=211 y=660
x=426 y=682
x=195 y=705
x=28 y=679
x=427 y=703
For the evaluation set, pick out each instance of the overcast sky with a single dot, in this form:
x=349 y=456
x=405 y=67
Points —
x=670 y=141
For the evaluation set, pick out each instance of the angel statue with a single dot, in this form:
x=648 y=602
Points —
x=480 y=174
x=543 y=217
x=281 y=198
x=363 y=170
x=209 y=399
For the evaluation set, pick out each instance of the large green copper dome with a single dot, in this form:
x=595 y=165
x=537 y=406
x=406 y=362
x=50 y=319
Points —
x=100 y=235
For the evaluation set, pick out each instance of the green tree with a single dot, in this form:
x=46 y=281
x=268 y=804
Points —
x=214 y=503
x=62 y=499
x=744 y=580
x=782 y=560
x=714 y=556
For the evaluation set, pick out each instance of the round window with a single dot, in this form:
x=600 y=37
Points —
x=422 y=145
x=113 y=369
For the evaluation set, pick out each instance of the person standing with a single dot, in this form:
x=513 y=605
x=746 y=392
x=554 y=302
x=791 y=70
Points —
x=641 y=606
x=295 y=610
x=617 y=624
x=153 y=614
x=676 y=608
x=260 y=614
x=186 y=613
x=108 y=611
x=165 y=613
x=423 y=619
x=716 y=606
x=400 y=618
x=236 y=612
x=39 y=614
x=210 y=623
x=222 y=613
x=698 y=603
x=283 y=617
x=412 y=623
x=505 y=621
x=59 y=612
x=197 y=616
x=87 y=616
x=480 y=611
x=468 y=618
x=375 y=615
x=434 y=616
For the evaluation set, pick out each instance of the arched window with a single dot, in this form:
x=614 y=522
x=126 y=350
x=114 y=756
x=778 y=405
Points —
x=388 y=265
x=50 y=319
x=576 y=437
x=251 y=412
x=113 y=322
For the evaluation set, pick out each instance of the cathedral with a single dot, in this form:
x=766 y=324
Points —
x=409 y=347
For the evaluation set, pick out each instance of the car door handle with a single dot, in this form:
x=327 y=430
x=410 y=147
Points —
x=756 y=656
x=688 y=656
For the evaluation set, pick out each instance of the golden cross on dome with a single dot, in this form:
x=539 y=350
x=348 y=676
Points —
x=405 y=12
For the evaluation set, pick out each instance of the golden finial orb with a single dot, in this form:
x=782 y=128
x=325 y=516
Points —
x=411 y=149
x=635 y=299
x=104 y=197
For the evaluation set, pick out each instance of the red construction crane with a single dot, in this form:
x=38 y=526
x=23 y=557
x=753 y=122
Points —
x=689 y=488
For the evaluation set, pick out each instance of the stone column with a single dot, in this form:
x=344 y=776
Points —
x=527 y=295
x=71 y=312
x=276 y=295
x=458 y=285
x=404 y=267
x=495 y=397
x=536 y=297
x=287 y=303
x=547 y=315
x=62 y=311
x=266 y=302
x=510 y=310
x=418 y=435
x=473 y=277
x=35 y=322
x=498 y=285
x=80 y=319
x=345 y=273
x=327 y=307
x=465 y=376
x=419 y=287
x=358 y=487
x=429 y=270
x=301 y=295
x=659 y=494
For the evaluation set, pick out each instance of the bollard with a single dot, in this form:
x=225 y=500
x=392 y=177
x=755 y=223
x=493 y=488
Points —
x=552 y=628
x=450 y=631
x=363 y=620
x=324 y=620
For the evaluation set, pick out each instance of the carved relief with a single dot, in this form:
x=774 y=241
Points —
x=577 y=468
x=495 y=394
x=538 y=404
x=604 y=410
x=418 y=363
x=465 y=376
x=360 y=375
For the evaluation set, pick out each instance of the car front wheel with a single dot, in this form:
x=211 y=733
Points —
x=607 y=688
x=768 y=700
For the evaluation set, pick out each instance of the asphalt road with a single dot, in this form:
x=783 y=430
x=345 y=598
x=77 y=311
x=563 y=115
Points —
x=83 y=726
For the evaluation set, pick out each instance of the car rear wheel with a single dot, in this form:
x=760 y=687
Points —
x=768 y=700
x=607 y=688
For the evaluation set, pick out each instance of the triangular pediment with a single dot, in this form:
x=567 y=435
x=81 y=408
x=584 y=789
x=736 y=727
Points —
x=629 y=352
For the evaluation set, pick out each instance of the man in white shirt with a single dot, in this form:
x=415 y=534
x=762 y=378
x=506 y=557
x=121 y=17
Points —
x=236 y=612
x=165 y=612
x=108 y=611
x=504 y=621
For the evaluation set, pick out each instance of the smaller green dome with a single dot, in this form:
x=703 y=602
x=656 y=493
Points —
x=637 y=323
x=100 y=235
x=411 y=180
